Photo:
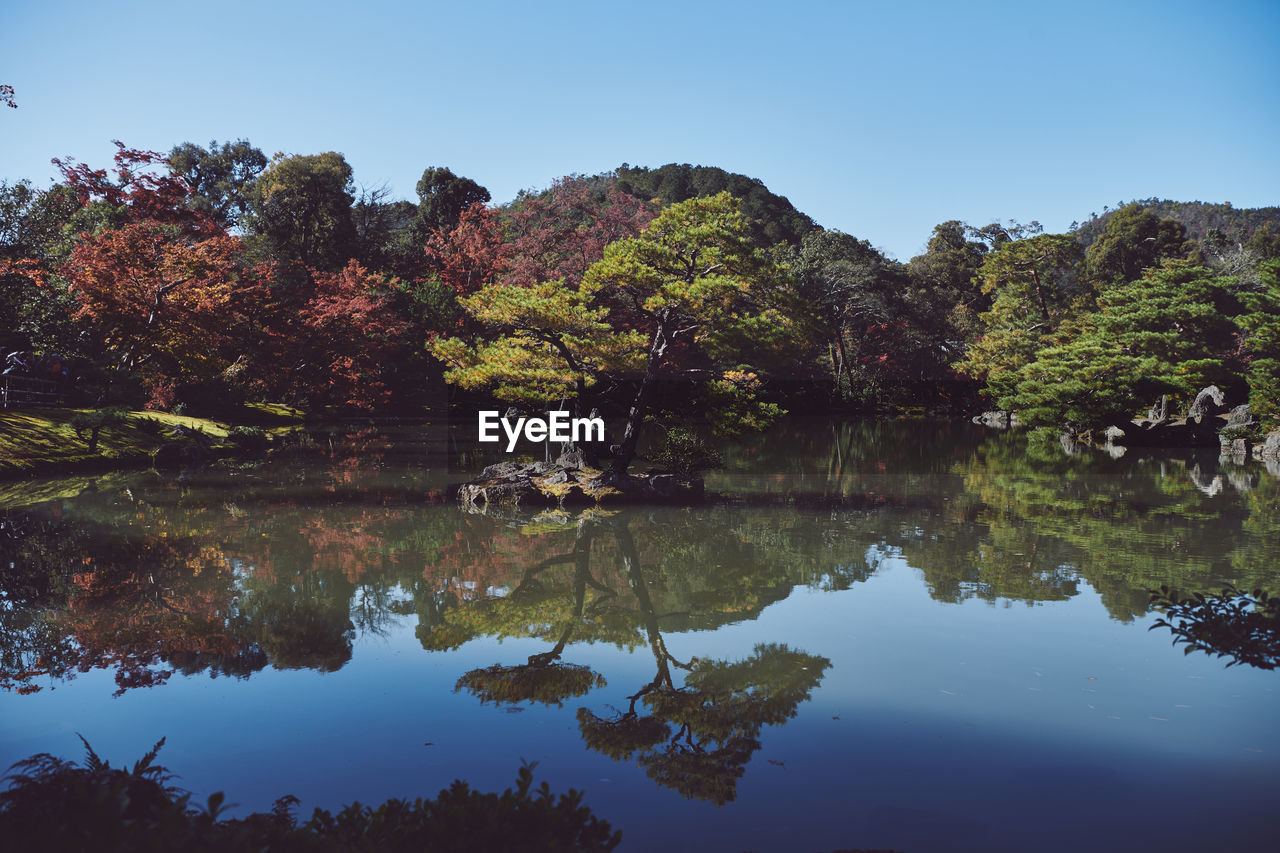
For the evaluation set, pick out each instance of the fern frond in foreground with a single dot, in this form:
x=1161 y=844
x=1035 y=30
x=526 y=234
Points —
x=54 y=804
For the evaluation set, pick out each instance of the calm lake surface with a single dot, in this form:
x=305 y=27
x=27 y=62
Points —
x=908 y=636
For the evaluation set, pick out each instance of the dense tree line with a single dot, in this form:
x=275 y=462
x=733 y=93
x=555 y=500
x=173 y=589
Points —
x=214 y=274
x=1084 y=338
x=1200 y=218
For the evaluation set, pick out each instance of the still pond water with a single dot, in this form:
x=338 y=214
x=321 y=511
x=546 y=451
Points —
x=907 y=636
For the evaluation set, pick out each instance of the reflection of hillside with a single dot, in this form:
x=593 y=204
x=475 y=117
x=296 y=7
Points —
x=285 y=566
x=1125 y=527
x=989 y=517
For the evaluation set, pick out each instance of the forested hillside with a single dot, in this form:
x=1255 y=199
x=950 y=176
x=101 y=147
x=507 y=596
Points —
x=1200 y=218
x=207 y=276
x=772 y=218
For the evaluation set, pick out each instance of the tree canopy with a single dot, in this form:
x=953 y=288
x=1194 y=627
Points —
x=676 y=303
x=301 y=208
x=443 y=196
x=771 y=218
x=211 y=273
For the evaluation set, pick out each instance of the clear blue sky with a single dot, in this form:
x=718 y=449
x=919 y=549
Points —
x=879 y=119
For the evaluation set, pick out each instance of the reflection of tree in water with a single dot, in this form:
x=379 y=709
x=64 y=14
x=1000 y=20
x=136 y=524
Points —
x=145 y=589
x=1125 y=525
x=543 y=679
x=303 y=624
x=230 y=576
x=1241 y=626
x=695 y=738
x=80 y=597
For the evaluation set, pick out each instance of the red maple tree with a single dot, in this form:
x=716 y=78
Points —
x=142 y=190
x=559 y=233
x=158 y=299
x=471 y=255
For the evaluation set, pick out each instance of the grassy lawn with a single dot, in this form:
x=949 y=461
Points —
x=38 y=439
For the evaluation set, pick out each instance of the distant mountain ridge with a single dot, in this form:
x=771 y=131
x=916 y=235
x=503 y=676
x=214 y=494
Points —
x=1238 y=224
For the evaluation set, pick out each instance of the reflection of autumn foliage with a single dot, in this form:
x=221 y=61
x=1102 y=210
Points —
x=135 y=605
x=160 y=601
x=482 y=555
x=354 y=548
x=153 y=583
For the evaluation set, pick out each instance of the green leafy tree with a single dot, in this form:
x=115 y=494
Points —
x=219 y=176
x=945 y=279
x=387 y=233
x=35 y=307
x=1265 y=242
x=1198 y=217
x=842 y=279
x=687 y=301
x=1169 y=332
x=1035 y=286
x=300 y=207
x=1134 y=240
x=1261 y=326
x=94 y=422
x=442 y=198
x=771 y=218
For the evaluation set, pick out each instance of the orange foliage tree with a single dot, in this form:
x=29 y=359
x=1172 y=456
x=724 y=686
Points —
x=157 y=299
x=327 y=338
x=471 y=255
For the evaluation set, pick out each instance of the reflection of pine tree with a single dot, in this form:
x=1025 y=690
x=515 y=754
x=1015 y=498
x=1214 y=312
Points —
x=697 y=739
x=542 y=679
x=496 y=581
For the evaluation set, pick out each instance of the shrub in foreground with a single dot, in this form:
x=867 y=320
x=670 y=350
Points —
x=53 y=804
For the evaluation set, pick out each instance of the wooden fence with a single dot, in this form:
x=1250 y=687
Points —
x=19 y=391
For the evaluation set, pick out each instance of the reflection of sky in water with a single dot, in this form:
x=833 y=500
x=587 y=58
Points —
x=939 y=726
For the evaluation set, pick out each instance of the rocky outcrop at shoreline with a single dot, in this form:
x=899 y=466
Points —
x=1209 y=422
